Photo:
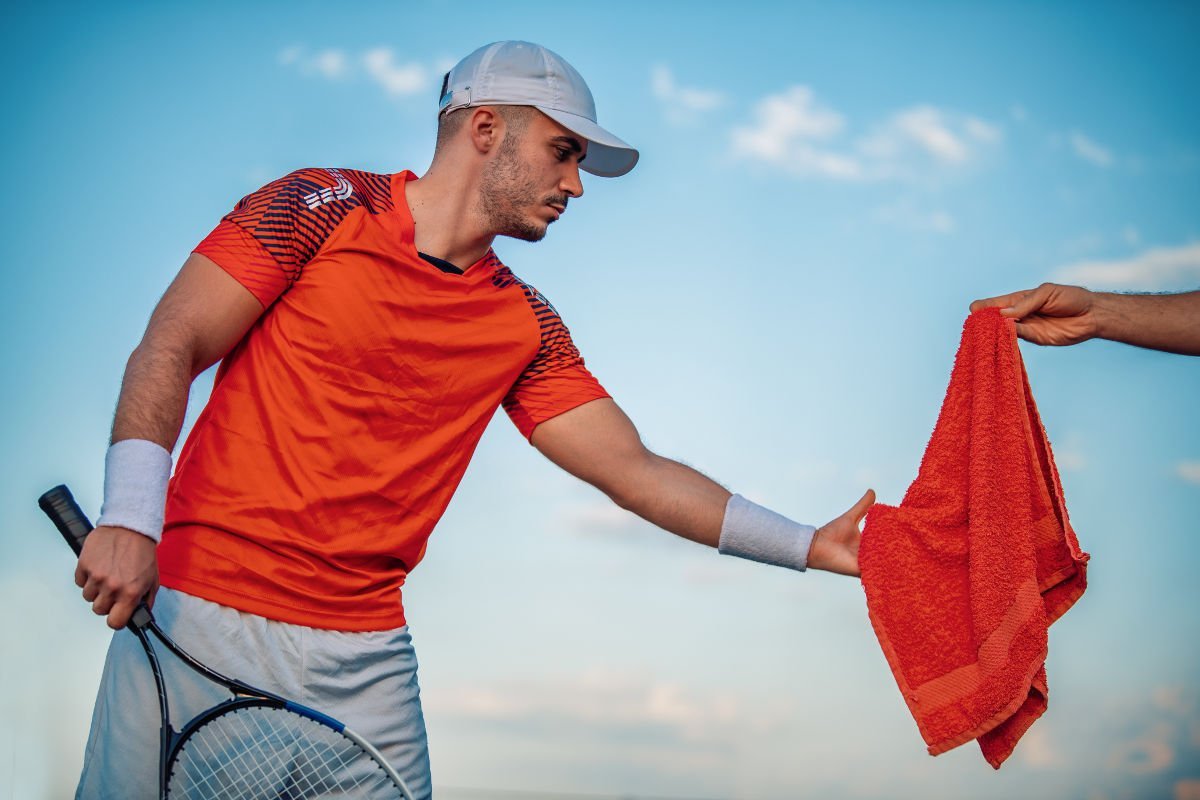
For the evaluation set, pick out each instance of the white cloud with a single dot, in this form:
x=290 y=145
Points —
x=1070 y=460
x=290 y=55
x=682 y=103
x=1148 y=754
x=922 y=126
x=379 y=65
x=1189 y=471
x=330 y=63
x=785 y=127
x=981 y=130
x=1088 y=150
x=396 y=79
x=1039 y=750
x=792 y=130
x=1157 y=269
x=599 y=700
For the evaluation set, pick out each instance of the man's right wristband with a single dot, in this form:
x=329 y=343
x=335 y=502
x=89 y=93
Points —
x=136 y=472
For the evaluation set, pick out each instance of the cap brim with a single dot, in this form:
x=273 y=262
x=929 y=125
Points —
x=607 y=156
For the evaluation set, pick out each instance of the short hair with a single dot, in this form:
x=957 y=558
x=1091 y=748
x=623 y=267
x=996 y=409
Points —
x=516 y=118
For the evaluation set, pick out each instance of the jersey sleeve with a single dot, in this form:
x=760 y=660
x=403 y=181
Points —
x=556 y=381
x=268 y=237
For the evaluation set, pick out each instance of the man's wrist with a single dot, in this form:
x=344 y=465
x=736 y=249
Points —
x=756 y=533
x=1105 y=314
x=136 y=472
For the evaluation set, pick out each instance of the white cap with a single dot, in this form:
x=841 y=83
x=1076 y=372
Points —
x=525 y=74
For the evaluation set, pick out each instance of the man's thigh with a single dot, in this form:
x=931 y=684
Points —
x=367 y=680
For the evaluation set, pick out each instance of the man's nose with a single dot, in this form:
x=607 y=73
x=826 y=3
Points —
x=571 y=183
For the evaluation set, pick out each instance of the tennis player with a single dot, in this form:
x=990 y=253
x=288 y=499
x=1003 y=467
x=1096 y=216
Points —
x=367 y=332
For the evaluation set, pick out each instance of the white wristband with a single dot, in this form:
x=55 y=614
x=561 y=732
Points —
x=759 y=534
x=135 y=486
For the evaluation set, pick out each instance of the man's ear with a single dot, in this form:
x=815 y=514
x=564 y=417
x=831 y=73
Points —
x=486 y=128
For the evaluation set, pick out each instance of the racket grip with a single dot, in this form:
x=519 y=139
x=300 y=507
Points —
x=67 y=516
x=73 y=524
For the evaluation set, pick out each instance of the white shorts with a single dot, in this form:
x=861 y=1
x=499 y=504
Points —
x=368 y=680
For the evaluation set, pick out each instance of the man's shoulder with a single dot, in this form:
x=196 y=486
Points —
x=538 y=302
x=313 y=188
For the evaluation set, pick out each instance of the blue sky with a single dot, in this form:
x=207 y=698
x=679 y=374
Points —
x=775 y=296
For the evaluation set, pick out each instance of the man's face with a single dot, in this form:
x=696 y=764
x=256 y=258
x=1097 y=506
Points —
x=526 y=186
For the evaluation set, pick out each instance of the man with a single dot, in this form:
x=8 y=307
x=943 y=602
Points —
x=367 y=334
x=1064 y=315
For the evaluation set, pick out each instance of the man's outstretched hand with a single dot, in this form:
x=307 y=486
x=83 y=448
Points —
x=1050 y=314
x=835 y=545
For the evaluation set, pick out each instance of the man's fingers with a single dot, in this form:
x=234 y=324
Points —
x=119 y=615
x=863 y=506
x=1030 y=302
x=1003 y=301
x=1028 y=333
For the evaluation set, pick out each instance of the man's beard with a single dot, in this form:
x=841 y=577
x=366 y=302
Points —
x=507 y=187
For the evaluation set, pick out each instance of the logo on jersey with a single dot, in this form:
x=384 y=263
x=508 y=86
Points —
x=542 y=299
x=341 y=191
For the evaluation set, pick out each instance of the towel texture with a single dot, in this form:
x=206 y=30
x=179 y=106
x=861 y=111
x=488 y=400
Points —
x=964 y=578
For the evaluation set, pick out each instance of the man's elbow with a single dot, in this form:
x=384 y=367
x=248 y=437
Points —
x=630 y=485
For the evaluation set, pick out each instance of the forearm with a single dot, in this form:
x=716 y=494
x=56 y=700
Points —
x=154 y=394
x=1160 y=322
x=676 y=498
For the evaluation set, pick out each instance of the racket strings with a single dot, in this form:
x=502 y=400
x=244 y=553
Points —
x=266 y=753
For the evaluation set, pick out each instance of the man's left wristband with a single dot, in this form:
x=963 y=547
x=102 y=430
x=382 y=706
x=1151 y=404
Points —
x=136 y=472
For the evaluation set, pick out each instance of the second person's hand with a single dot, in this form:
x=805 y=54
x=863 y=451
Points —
x=1051 y=314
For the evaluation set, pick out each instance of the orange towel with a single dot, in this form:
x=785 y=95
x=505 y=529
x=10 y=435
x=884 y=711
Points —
x=964 y=578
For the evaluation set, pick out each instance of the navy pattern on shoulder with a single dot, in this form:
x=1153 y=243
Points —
x=556 y=349
x=293 y=216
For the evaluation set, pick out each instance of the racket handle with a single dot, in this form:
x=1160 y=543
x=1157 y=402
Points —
x=67 y=516
x=73 y=524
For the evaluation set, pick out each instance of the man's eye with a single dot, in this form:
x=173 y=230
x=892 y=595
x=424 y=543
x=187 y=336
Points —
x=563 y=153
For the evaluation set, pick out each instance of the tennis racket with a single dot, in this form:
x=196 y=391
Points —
x=253 y=746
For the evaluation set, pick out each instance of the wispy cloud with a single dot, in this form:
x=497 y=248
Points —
x=1189 y=471
x=1039 y=750
x=785 y=133
x=1089 y=150
x=378 y=65
x=602 y=700
x=682 y=104
x=330 y=63
x=794 y=131
x=396 y=79
x=1148 y=754
x=1156 y=269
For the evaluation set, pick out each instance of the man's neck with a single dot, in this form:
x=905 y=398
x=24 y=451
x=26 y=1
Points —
x=447 y=219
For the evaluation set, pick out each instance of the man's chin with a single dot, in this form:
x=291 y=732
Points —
x=528 y=233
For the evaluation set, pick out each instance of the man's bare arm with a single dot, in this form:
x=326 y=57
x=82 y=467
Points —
x=1064 y=315
x=199 y=319
x=598 y=443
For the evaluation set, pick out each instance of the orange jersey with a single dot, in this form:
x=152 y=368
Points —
x=340 y=426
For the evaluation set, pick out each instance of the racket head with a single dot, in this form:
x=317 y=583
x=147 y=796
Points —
x=264 y=749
